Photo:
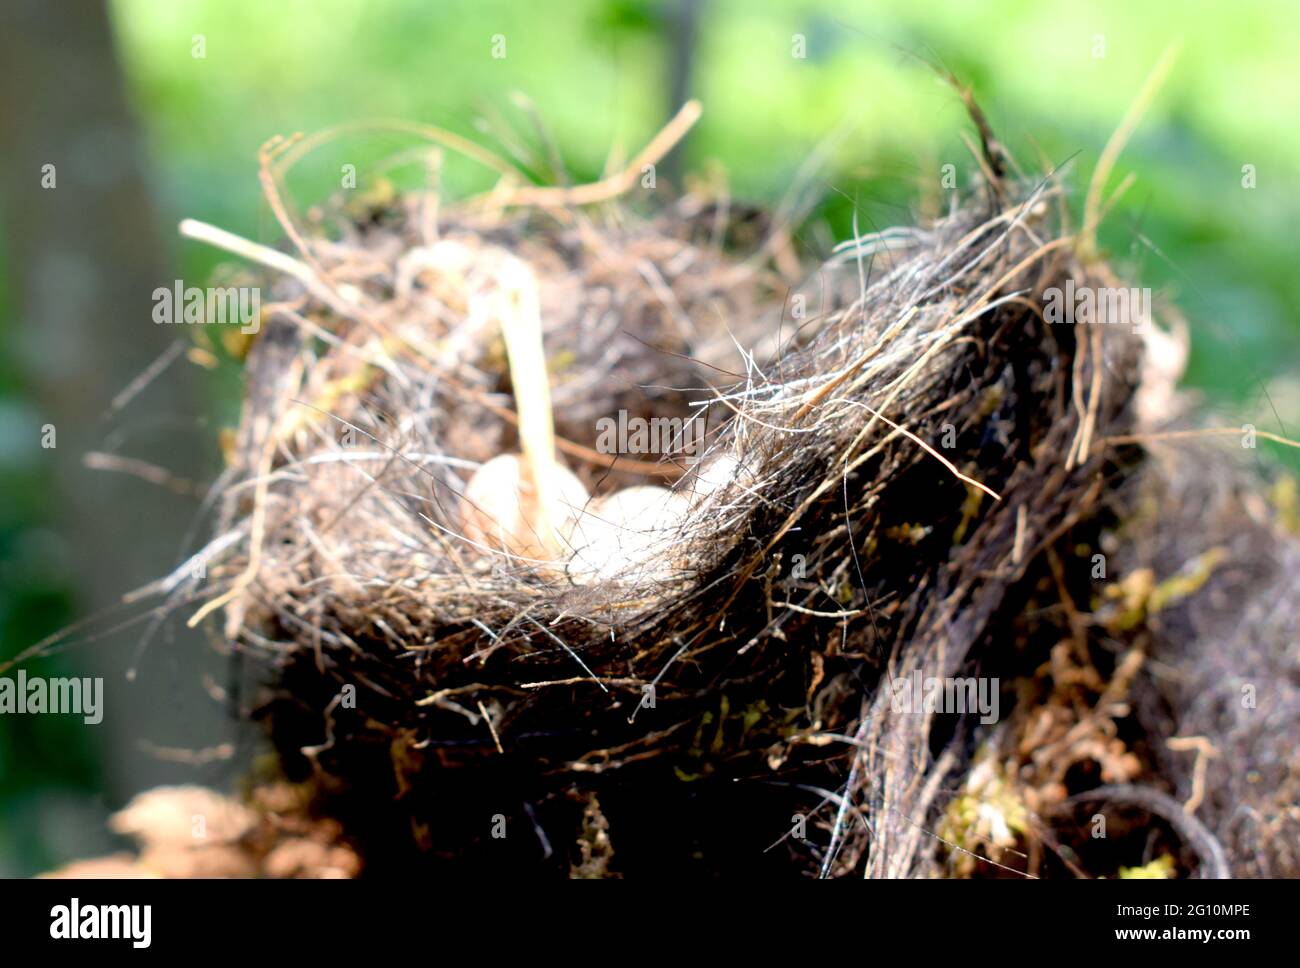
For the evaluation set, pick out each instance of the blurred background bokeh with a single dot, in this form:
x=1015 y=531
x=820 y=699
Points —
x=153 y=111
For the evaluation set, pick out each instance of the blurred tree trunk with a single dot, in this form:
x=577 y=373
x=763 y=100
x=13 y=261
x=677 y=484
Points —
x=84 y=258
x=683 y=33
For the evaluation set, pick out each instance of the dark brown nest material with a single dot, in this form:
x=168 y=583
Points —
x=911 y=477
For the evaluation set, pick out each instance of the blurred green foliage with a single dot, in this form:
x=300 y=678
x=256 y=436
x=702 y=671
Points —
x=1054 y=77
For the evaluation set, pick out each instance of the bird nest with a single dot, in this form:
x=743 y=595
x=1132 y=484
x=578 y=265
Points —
x=569 y=537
